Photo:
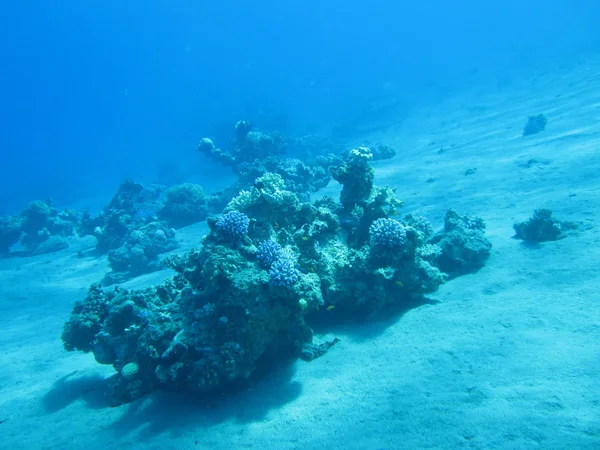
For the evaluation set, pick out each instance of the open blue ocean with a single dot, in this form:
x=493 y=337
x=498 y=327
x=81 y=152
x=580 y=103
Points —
x=300 y=225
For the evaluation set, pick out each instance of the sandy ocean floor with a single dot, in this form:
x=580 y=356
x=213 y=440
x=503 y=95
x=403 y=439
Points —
x=506 y=358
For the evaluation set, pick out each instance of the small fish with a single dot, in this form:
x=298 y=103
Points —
x=330 y=307
x=399 y=283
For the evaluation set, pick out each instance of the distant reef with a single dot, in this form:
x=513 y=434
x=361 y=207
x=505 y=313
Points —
x=39 y=228
x=139 y=225
x=303 y=162
x=535 y=124
x=140 y=222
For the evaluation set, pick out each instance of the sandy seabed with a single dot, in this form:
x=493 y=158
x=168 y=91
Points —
x=506 y=358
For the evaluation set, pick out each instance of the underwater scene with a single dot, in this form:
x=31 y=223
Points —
x=300 y=225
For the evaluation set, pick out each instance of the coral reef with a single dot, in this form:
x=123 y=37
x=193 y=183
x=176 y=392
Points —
x=139 y=253
x=137 y=226
x=387 y=233
x=128 y=329
x=382 y=151
x=463 y=246
x=233 y=224
x=10 y=232
x=133 y=205
x=378 y=152
x=283 y=272
x=356 y=176
x=255 y=152
x=269 y=263
x=39 y=228
x=249 y=144
x=268 y=252
x=185 y=204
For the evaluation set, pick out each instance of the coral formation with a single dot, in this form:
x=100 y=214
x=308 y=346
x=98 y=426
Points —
x=268 y=252
x=39 y=228
x=233 y=224
x=250 y=144
x=133 y=205
x=463 y=246
x=283 y=272
x=184 y=205
x=356 y=175
x=542 y=227
x=138 y=225
x=270 y=262
x=11 y=228
x=382 y=151
x=139 y=253
x=387 y=233
x=255 y=152
x=535 y=124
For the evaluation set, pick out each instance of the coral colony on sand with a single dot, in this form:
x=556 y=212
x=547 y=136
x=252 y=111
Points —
x=270 y=260
x=543 y=227
x=535 y=124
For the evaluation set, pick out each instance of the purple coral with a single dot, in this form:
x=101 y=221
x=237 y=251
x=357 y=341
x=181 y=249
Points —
x=233 y=223
x=283 y=272
x=387 y=233
x=268 y=252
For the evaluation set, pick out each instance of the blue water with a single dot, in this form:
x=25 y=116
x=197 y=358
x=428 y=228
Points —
x=96 y=92
x=126 y=87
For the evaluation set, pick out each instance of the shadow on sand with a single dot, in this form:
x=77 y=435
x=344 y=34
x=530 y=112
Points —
x=179 y=412
x=176 y=412
x=93 y=389
x=363 y=327
x=271 y=387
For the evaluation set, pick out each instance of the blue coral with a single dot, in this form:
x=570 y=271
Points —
x=234 y=224
x=144 y=215
x=268 y=252
x=283 y=272
x=387 y=234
